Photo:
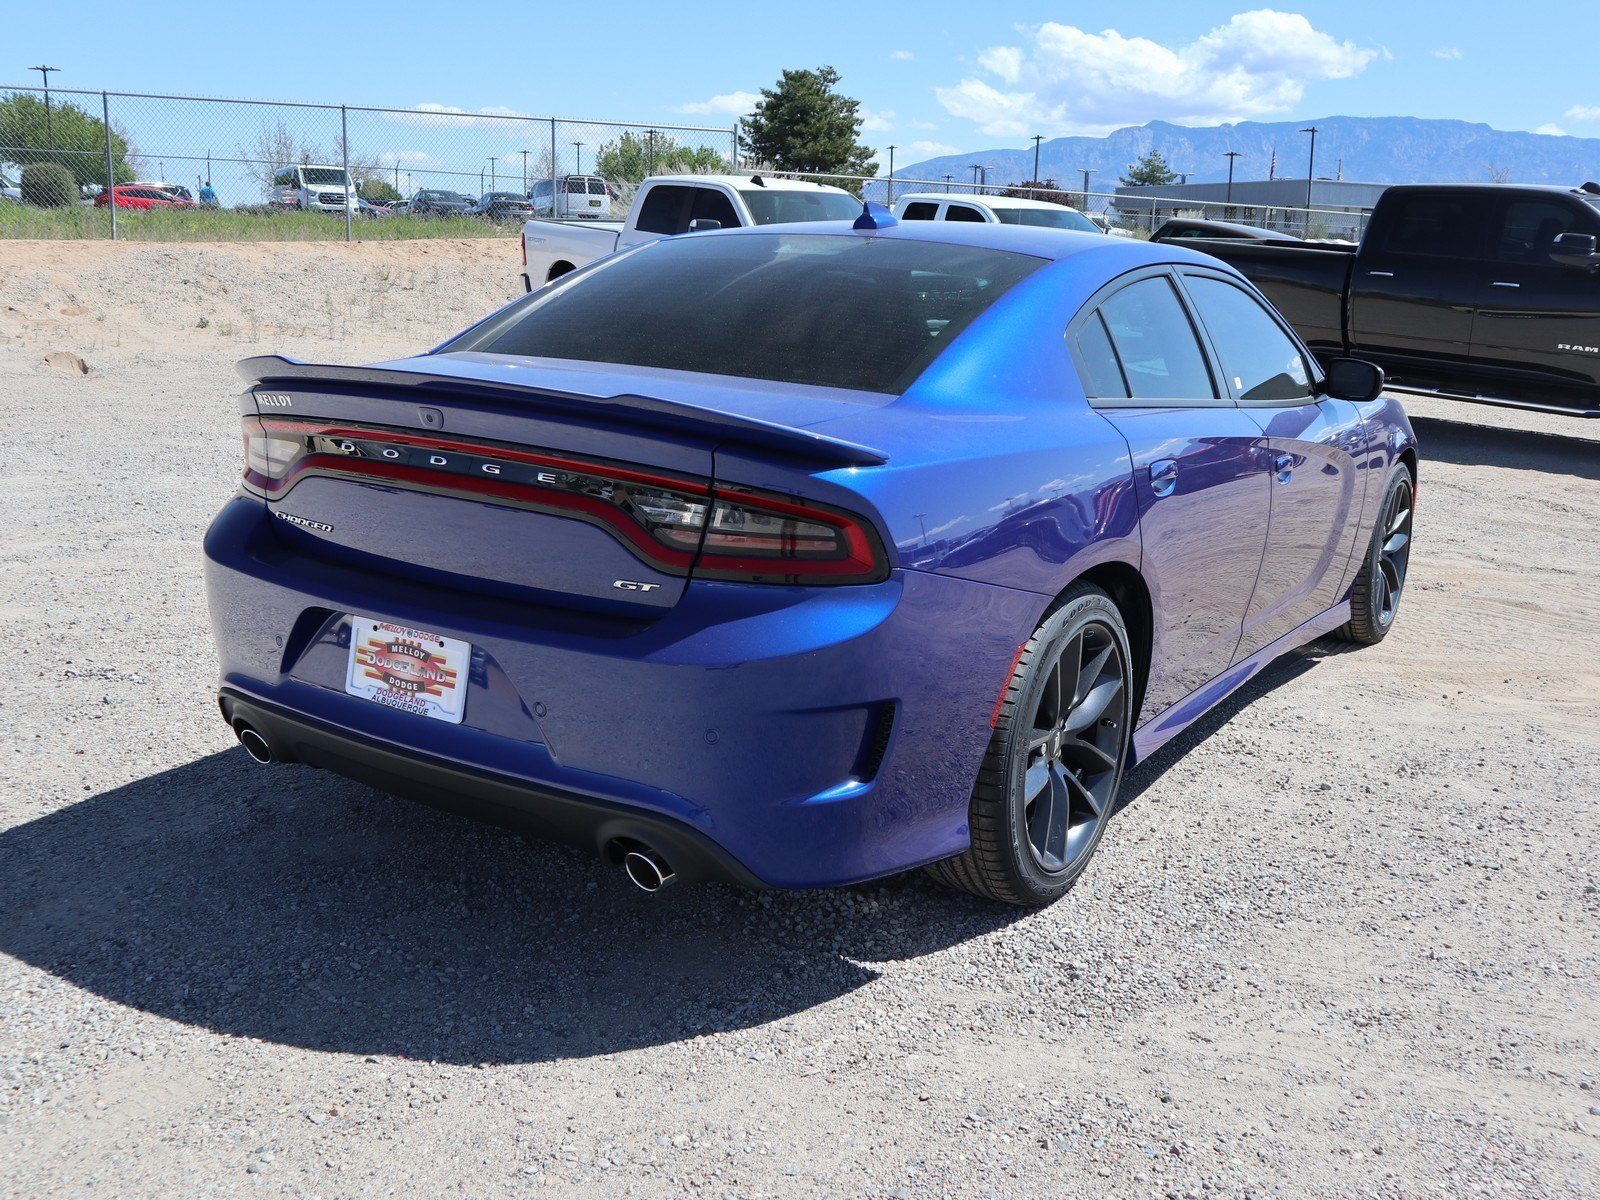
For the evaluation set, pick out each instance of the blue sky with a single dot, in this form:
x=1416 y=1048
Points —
x=945 y=77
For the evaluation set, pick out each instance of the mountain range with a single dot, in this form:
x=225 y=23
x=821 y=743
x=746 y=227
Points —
x=1366 y=149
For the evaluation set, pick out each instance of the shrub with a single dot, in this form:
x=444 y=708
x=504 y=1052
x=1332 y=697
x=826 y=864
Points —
x=49 y=185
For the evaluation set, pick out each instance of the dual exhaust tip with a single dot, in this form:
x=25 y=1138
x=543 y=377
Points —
x=646 y=867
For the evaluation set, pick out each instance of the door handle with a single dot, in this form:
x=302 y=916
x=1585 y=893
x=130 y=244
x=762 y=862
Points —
x=1381 y=274
x=1164 y=476
x=1283 y=467
x=1501 y=283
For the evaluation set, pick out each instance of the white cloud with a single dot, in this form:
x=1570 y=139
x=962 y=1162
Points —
x=917 y=151
x=1551 y=130
x=902 y=56
x=1069 y=81
x=1448 y=53
x=729 y=104
x=876 y=121
x=1584 y=112
x=447 y=116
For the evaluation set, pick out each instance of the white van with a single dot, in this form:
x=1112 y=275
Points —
x=576 y=196
x=314 y=188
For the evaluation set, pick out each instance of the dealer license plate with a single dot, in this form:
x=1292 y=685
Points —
x=409 y=669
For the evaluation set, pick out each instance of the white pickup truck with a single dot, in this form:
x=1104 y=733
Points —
x=666 y=205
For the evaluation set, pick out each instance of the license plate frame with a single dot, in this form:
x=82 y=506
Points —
x=410 y=670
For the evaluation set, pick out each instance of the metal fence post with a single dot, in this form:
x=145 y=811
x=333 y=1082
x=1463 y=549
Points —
x=344 y=152
x=553 y=213
x=111 y=177
x=733 y=158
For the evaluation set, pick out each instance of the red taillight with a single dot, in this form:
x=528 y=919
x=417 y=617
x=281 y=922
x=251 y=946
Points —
x=675 y=523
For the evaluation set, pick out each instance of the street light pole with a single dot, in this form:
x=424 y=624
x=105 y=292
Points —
x=579 y=145
x=890 y=192
x=1037 y=138
x=49 y=134
x=1311 y=164
x=1230 y=155
x=524 y=172
x=492 y=184
x=1087 y=171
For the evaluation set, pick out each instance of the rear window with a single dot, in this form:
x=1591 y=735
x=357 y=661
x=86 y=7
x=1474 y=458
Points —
x=770 y=206
x=842 y=311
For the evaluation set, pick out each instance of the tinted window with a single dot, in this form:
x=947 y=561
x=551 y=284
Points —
x=1444 y=226
x=960 y=212
x=1102 y=375
x=1046 y=218
x=597 y=187
x=831 y=311
x=712 y=205
x=769 y=206
x=1530 y=226
x=1260 y=361
x=664 y=209
x=922 y=210
x=1156 y=344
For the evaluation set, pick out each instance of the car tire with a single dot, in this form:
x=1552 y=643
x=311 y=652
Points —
x=1049 y=779
x=1375 y=595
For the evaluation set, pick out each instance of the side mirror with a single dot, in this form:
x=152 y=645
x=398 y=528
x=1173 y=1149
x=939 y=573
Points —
x=704 y=225
x=1575 y=250
x=1353 y=379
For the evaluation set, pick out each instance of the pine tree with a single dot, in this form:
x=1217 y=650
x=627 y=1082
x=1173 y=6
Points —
x=802 y=124
x=1150 y=171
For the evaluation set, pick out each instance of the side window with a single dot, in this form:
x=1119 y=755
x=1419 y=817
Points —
x=1441 y=226
x=922 y=210
x=961 y=212
x=1156 y=344
x=1261 y=363
x=1102 y=375
x=712 y=205
x=1529 y=226
x=665 y=209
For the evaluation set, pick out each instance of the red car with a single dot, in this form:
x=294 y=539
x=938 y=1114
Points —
x=139 y=195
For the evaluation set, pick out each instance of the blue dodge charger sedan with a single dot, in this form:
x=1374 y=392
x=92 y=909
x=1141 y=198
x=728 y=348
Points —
x=799 y=556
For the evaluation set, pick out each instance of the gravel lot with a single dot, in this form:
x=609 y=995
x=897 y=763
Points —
x=1341 y=941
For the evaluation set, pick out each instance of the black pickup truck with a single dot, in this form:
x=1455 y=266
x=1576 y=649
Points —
x=1488 y=293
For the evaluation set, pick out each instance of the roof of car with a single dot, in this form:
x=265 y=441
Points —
x=770 y=182
x=1124 y=254
x=991 y=201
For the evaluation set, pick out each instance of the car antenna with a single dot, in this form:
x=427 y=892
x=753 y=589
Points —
x=1592 y=188
x=874 y=216
x=758 y=181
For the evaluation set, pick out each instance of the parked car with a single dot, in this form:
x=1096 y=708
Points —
x=142 y=196
x=10 y=188
x=666 y=205
x=1486 y=293
x=577 y=197
x=805 y=555
x=504 y=206
x=370 y=209
x=434 y=202
x=175 y=190
x=313 y=187
x=1182 y=228
x=992 y=210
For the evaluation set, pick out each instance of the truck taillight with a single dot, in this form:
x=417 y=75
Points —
x=678 y=524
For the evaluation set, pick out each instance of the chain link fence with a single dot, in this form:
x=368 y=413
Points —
x=331 y=170
x=1136 y=211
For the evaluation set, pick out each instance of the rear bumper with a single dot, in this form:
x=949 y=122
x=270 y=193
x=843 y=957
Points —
x=580 y=820
x=793 y=737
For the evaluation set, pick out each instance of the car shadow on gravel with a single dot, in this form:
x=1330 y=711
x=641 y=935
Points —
x=299 y=908
x=1519 y=449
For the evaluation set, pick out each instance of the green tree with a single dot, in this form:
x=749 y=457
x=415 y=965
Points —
x=1150 y=171
x=67 y=135
x=49 y=185
x=378 y=191
x=631 y=157
x=803 y=124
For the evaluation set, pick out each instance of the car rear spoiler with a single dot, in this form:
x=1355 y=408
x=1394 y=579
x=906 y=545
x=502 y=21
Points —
x=273 y=370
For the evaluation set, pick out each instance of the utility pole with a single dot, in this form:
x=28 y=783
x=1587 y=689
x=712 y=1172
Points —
x=652 y=136
x=49 y=133
x=890 y=192
x=975 y=169
x=1230 y=156
x=1037 y=138
x=1311 y=163
x=1087 y=171
x=579 y=146
x=524 y=172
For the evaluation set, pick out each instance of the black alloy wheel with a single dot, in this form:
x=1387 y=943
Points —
x=1375 y=595
x=1049 y=780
